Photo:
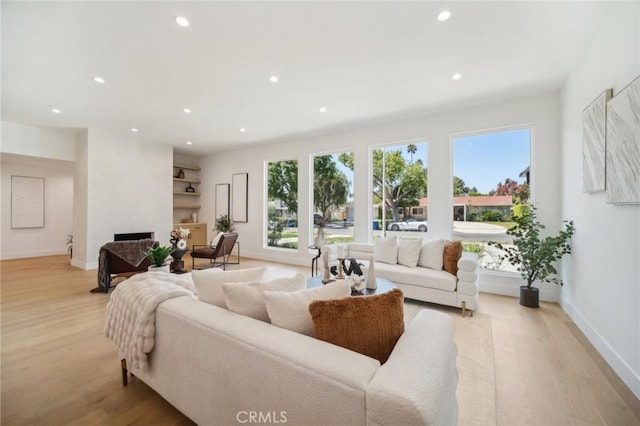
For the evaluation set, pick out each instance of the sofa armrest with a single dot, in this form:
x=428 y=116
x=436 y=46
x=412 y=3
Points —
x=468 y=262
x=420 y=376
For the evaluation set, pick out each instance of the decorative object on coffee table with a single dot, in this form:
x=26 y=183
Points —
x=340 y=266
x=326 y=275
x=356 y=282
x=383 y=285
x=534 y=254
x=371 y=276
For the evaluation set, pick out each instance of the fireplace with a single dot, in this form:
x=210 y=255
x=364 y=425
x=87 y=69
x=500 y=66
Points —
x=133 y=236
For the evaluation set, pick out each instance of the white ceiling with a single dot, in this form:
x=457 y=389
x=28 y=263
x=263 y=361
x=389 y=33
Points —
x=364 y=61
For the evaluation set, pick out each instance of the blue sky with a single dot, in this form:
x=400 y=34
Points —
x=481 y=160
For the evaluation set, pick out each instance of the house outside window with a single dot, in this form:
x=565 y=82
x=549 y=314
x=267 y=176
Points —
x=282 y=204
x=490 y=186
x=399 y=182
x=333 y=192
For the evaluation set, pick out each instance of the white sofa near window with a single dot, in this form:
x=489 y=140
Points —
x=428 y=284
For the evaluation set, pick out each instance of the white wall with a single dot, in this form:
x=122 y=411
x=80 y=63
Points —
x=41 y=152
x=126 y=186
x=541 y=111
x=58 y=221
x=602 y=276
x=59 y=144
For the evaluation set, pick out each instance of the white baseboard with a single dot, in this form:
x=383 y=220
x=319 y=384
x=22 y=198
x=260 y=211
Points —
x=509 y=285
x=84 y=265
x=23 y=255
x=622 y=369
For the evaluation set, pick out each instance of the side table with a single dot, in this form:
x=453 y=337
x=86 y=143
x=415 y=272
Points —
x=314 y=261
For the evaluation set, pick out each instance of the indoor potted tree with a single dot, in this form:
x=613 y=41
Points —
x=158 y=257
x=535 y=255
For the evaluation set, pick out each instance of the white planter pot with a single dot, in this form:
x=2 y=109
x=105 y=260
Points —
x=163 y=268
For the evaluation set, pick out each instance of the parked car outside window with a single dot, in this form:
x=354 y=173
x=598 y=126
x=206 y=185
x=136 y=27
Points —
x=409 y=224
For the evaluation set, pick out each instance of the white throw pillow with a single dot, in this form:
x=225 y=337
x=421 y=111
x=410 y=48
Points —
x=409 y=251
x=248 y=298
x=431 y=254
x=291 y=310
x=209 y=282
x=385 y=250
x=215 y=240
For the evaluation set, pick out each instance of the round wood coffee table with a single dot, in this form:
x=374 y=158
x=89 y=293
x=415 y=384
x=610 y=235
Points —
x=384 y=286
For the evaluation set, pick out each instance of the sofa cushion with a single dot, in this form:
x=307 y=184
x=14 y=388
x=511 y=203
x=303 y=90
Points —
x=421 y=277
x=386 y=250
x=409 y=251
x=290 y=310
x=431 y=254
x=248 y=298
x=370 y=325
x=209 y=282
x=452 y=253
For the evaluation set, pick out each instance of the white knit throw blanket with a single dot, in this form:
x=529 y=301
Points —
x=130 y=319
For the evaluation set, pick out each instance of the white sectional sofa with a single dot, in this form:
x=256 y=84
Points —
x=427 y=284
x=219 y=367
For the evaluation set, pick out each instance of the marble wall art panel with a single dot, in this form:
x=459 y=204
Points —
x=623 y=146
x=594 y=120
x=240 y=188
x=222 y=200
x=27 y=202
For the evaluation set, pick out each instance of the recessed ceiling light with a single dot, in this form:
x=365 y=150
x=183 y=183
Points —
x=189 y=143
x=98 y=79
x=273 y=79
x=242 y=129
x=444 y=15
x=55 y=111
x=187 y=111
x=323 y=109
x=182 y=21
x=133 y=129
x=456 y=76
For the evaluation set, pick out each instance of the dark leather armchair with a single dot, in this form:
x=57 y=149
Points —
x=123 y=258
x=222 y=250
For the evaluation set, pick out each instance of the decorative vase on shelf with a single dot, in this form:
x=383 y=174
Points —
x=371 y=276
x=180 y=174
x=194 y=217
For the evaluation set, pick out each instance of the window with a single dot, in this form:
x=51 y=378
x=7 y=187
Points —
x=282 y=206
x=399 y=187
x=491 y=184
x=333 y=196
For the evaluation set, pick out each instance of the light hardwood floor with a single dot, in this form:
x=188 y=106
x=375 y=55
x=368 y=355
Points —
x=58 y=368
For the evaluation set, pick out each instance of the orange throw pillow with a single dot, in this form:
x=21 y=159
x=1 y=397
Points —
x=370 y=325
x=452 y=253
